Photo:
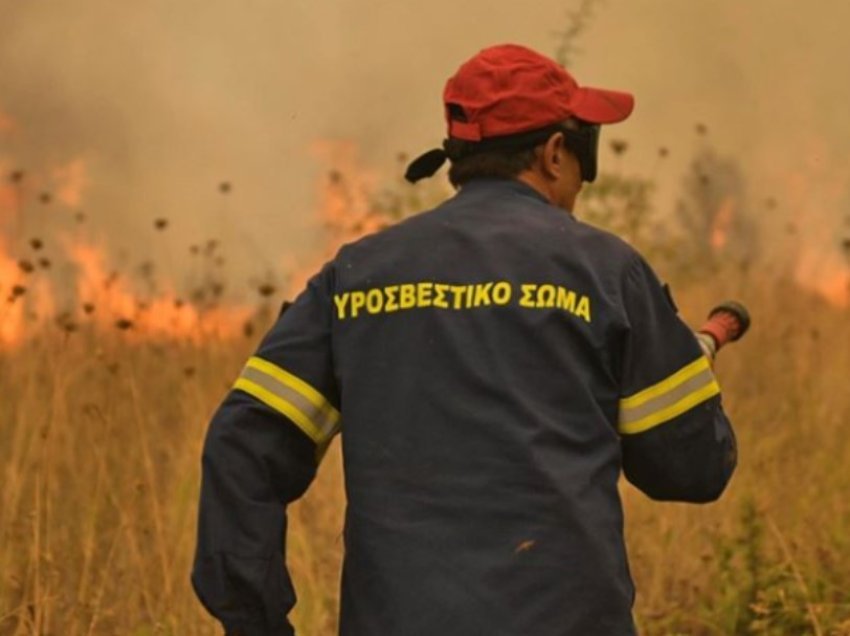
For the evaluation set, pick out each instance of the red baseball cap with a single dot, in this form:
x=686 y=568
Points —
x=509 y=89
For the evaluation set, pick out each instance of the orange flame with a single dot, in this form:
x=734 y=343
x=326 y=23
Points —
x=6 y=123
x=114 y=304
x=346 y=209
x=71 y=180
x=8 y=195
x=819 y=266
x=722 y=223
x=100 y=300
x=823 y=272
x=11 y=311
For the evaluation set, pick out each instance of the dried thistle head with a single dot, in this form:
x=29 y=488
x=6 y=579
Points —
x=44 y=263
x=146 y=269
x=701 y=129
x=18 y=290
x=248 y=329
x=619 y=146
x=80 y=217
x=36 y=243
x=45 y=198
x=194 y=250
x=124 y=324
x=26 y=266
x=16 y=176
x=88 y=308
x=160 y=223
x=225 y=187
x=663 y=152
x=266 y=289
x=110 y=279
x=66 y=322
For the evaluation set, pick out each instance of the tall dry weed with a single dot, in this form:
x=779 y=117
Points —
x=100 y=445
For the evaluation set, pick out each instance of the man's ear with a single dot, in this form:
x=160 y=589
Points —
x=550 y=156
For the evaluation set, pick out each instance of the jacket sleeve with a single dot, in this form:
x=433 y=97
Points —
x=677 y=443
x=261 y=452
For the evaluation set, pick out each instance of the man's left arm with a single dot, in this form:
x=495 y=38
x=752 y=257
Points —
x=261 y=452
x=677 y=442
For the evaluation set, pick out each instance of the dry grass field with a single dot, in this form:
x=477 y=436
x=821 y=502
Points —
x=100 y=438
x=102 y=419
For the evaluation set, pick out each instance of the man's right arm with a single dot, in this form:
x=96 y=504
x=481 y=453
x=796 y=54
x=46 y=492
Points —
x=261 y=452
x=677 y=443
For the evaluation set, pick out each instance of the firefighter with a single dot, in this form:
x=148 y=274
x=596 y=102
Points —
x=493 y=365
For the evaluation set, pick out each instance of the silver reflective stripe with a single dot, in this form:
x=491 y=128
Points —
x=661 y=402
x=323 y=418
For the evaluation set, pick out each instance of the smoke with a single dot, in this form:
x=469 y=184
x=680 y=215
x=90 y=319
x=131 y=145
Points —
x=161 y=102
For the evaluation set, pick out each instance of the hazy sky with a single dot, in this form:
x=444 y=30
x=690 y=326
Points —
x=166 y=98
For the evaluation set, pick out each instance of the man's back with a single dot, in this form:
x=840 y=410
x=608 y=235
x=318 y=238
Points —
x=479 y=425
x=492 y=366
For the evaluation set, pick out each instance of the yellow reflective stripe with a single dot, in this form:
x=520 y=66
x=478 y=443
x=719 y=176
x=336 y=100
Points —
x=282 y=406
x=291 y=396
x=324 y=408
x=679 y=392
x=668 y=413
x=671 y=382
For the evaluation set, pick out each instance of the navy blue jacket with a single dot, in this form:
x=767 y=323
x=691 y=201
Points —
x=492 y=366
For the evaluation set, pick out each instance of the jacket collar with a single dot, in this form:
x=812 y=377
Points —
x=504 y=186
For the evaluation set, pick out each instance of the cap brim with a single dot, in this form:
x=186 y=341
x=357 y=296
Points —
x=601 y=106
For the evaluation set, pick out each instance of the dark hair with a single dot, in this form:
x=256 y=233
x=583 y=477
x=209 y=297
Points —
x=504 y=163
